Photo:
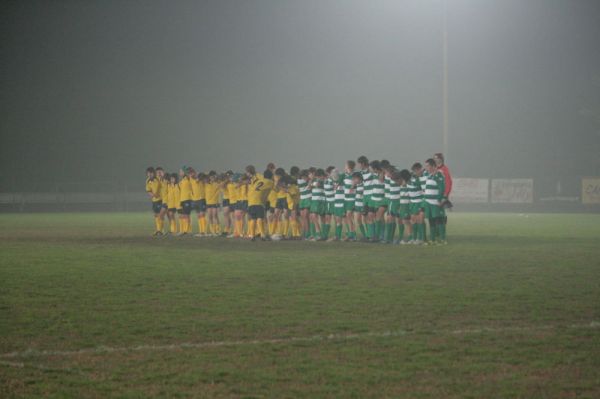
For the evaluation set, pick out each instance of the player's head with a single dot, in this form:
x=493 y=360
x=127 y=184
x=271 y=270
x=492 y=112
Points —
x=430 y=165
x=438 y=158
x=375 y=166
x=201 y=177
x=328 y=170
x=320 y=173
x=271 y=166
x=150 y=172
x=384 y=163
x=363 y=162
x=312 y=170
x=350 y=165
x=280 y=172
x=417 y=168
x=250 y=170
x=304 y=174
x=396 y=177
x=191 y=172
x=212 y=176
x=388 y=170
x=357 y=178
x=173 y=178
x=405 y=174
x=160 y=172
x=334 y=174
x=268 y=174
x=294 y=171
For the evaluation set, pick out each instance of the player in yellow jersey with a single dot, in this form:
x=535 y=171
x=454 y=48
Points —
x=201 y=205
x=212 y=190
x=227 y=189
x=185 y=196
x=271 y=200
x=259 y=187
x=281 y=215
x=196 y=191
x=153 y=190
x=232 y=189
x=173 y=201
x=160 y=175
x=293 y=199
x=241 y=206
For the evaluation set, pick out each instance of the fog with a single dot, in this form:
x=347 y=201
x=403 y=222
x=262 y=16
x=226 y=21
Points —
x=100 y=90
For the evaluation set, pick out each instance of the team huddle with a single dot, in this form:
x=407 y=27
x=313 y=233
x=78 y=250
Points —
x=369 y=201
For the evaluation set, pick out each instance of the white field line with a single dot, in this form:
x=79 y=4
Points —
x=271 y=341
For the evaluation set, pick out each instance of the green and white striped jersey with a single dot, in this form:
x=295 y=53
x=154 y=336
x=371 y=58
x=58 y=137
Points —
x=304 y=189
x=404 y=195
x=377 y=189
x=360 y=194
x=423 y=179
x=329 y=189
x=318 y=193
x=434 y=188
x=339 y=196
x=387 y=184
x=349 y=192
x=414 y=190
x=393 y=191
x=367 y=180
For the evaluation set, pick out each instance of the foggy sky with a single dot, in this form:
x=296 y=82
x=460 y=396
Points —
x=101 y=90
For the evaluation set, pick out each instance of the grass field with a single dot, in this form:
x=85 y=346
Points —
x=91 y=306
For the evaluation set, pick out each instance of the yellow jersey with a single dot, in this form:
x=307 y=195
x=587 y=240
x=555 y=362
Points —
x=273 y=194
x=163 y=190
x=153 y=187
x=173 y=201
x=201 y=190
x=212 y=191
x=258 y=190
x=185 y=189
x=293 y=195
x=243 y=192
x=195 y=184
x=233 y=192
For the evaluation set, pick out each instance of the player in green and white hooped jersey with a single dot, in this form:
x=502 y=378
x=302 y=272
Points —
x=393 y=201
x=402 y=178
x=385 y=164
x=376 y=204
x=318 y=205
x=434 y=193
x=416 y=204
x=365 y=171
x=339 y=211
x=304 y=205
x=423 y=181
x=329 y=190
x=349 y=198
x=359 y=206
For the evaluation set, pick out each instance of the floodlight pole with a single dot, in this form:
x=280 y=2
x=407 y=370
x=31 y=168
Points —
x=445 y=79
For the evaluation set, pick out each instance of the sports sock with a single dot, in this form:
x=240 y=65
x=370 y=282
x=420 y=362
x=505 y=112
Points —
x=401 y=231
x=421 y=231
x=284 y=227
x=389 y=231
x=370 y=230
x=424 y=228
x=260 y=227
x=338 y=231
x=325 y=230
x=271 y=227
x=442 y=227
x=161 y=224
x=313 y=230
x=173 y=226
x=251 y=228
x=432 y=229
x=156 y=224
x=362 y=230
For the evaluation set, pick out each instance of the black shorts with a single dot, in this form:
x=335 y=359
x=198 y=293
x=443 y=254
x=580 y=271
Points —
x=200 y=205
x=165 y=206
x=267 y=206
x=172 y=210
x=225 y=203
x=232 y=206
x=156 y=206
x=212 y=206
x=241 y=206
x=256 y=212
x=281 y=204
x=186 y=207
x=369 y=209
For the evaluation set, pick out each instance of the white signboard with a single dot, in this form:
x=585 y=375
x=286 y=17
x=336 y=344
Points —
x=470 y=191
x=512 y=191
